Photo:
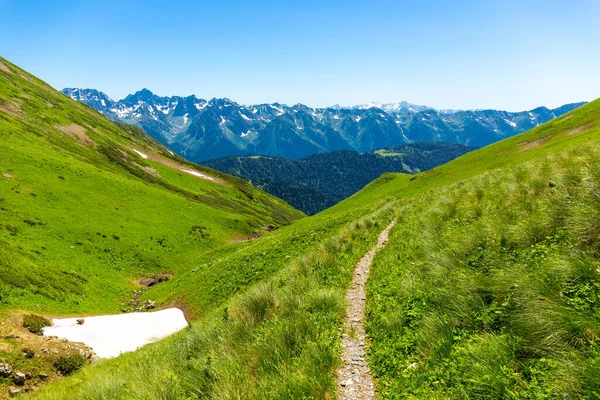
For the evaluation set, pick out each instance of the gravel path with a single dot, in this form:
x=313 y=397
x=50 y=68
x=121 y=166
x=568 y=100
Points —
x=354 y=377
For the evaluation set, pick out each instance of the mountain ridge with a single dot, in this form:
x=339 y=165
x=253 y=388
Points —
x=200 y=129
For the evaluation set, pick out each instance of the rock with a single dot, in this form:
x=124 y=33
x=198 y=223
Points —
x=150 y=305
x=13 y=391
x=5 y=370
x=19 y=378
x=28 y=376
x=80 y=321
x=43 y=376
x=11 y=336
x=63 y=340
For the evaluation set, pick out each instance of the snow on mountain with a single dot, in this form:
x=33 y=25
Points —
x=202 y=129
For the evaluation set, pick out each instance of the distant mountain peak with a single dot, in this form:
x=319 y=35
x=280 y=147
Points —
x=202 y=129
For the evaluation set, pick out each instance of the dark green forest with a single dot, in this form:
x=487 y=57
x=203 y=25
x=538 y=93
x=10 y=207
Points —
x=317 y=182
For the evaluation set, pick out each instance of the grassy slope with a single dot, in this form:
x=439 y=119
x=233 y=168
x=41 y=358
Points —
x=489 y=286
x=80 y=218
x=281 y=338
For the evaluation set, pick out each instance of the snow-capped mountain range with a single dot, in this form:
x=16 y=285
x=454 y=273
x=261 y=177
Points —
x=203 y=129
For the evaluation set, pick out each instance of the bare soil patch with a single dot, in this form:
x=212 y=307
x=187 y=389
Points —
x=4 y=68
x=154 y=280
x=38 y=368
x=577 y=130
x=534 y=144
x=78 y=133
x=13 y=109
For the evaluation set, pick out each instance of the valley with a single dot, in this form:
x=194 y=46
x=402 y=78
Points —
x=319 y=181
x=487 y=286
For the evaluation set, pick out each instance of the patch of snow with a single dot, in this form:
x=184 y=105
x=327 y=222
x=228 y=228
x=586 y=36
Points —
x=198 y=174
x=278 y=109
x=223 y=121
x=511 y=123
x=244 y=134
x=164 y=110
x=103 y=103
x=200 y=106
x=111 y=335
x=185 y=118
x=357 y=119
x=140 y=153
x=245 y=117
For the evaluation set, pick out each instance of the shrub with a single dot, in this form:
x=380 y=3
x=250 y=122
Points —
x=28 y=353
x=67 y=365
x=35 y=323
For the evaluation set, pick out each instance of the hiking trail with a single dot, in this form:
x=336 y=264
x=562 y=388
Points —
x=354 y=378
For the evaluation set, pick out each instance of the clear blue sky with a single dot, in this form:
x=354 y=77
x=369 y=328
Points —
x=510 y=55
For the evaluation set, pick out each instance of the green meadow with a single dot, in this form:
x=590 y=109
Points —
x=487 y=288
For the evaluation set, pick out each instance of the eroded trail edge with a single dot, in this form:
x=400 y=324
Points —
x=354 y=377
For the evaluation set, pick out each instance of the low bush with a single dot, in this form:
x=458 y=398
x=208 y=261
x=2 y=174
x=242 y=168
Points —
x=35 y=323
x=67 y=365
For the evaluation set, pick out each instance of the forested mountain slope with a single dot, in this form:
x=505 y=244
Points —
x=316 y=182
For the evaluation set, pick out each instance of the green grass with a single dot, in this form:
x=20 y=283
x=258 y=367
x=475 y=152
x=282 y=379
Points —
x=79 y=222
x=280 y=339
x=387 y=153
x=488 y=287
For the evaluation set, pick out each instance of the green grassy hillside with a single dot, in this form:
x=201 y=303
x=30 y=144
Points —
x=486 y=289
x=82 y=213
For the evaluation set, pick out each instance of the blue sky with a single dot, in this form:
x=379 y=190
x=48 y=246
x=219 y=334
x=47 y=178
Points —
x=511 y=55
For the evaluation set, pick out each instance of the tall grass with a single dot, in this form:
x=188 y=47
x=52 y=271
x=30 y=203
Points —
x=280 y=339
x=489 y=288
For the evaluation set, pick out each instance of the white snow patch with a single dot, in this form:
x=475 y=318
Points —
x=140 y=153
x=278 y=109
x=111 y=335
x=185 y=118
x=245 y=117
x=103 y=103
x=244 y=134
x=511 y=123
x=200 y=106
x=357 y=119
x=164 y=110
x=223 y=121
x=198 y=174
